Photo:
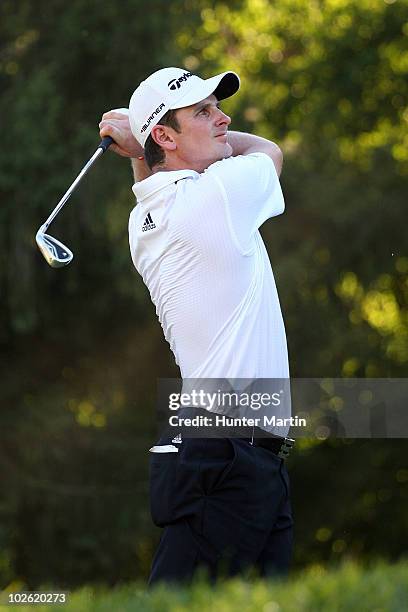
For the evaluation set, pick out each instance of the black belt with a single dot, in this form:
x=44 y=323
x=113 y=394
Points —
x=279 y=446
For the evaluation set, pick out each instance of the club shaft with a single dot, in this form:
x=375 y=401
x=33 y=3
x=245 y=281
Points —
x=99 y=151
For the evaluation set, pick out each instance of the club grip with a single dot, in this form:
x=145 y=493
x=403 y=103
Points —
x=105 y=143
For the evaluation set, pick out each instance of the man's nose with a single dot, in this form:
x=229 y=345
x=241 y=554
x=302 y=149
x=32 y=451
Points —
x=222 y=118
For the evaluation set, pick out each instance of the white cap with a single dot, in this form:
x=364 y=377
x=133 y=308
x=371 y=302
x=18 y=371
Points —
x=172 y=88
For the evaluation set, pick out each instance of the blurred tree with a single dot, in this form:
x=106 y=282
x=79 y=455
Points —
x=328 y=81
x=61 y=67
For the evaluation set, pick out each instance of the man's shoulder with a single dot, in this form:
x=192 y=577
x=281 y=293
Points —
x=239 y=160
x=240 y=169
x=240 y=175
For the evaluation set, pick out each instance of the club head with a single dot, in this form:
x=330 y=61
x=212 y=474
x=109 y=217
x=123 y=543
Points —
x=55 y=253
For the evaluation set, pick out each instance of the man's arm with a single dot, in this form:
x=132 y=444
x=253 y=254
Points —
x=243 y=144
x=116 y=125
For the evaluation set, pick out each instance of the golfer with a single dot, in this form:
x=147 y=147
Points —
x=202 y=192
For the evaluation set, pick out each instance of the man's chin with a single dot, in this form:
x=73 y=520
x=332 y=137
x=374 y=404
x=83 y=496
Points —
x=224 y=154
x=227 y=151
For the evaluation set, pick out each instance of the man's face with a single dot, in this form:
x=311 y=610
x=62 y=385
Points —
x=202 y=140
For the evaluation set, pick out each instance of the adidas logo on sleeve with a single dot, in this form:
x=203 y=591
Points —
x=148 y=224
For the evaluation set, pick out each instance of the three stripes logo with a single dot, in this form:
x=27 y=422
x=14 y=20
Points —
x=148 y=224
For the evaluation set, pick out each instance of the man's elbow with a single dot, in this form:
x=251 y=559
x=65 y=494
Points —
x=276 y=156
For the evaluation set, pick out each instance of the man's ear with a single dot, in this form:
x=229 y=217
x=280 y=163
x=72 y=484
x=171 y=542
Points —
x=162 y=135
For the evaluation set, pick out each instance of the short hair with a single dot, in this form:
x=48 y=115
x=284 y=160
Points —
x=153 y=153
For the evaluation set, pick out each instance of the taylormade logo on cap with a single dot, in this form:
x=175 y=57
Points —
x=172 y=88
x=176 y=83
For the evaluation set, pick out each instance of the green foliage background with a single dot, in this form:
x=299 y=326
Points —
x=80 y=347
x=316 y=589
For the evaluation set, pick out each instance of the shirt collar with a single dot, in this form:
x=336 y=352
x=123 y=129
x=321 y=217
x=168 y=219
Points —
x=158 y=181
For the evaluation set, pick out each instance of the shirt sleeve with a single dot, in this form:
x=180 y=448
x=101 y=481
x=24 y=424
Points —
x=251 y=191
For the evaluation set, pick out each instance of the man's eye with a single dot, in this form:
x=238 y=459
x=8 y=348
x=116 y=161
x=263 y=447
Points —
x=203 y=111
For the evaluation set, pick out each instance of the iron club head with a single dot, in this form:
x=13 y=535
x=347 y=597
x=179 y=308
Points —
x=56 y=254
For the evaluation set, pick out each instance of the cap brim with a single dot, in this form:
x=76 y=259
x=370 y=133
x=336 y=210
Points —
x=222 y=86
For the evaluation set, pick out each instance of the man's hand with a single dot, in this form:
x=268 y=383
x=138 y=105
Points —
x=116 y=124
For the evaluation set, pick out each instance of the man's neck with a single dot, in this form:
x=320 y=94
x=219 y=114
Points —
x=172 y=165
x=174 y=162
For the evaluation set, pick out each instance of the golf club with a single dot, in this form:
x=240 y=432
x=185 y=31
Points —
x=56 y=253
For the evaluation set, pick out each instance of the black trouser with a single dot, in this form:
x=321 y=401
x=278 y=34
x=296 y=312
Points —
x=224 y=506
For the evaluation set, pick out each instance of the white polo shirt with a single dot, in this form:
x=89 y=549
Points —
x=194 y=239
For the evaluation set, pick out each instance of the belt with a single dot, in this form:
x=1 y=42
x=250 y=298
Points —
x=279 y=446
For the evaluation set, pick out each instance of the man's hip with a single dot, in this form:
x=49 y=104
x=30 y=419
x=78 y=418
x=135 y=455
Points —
x=244 y=480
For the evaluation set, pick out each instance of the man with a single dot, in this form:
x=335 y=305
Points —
x=202 y=193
